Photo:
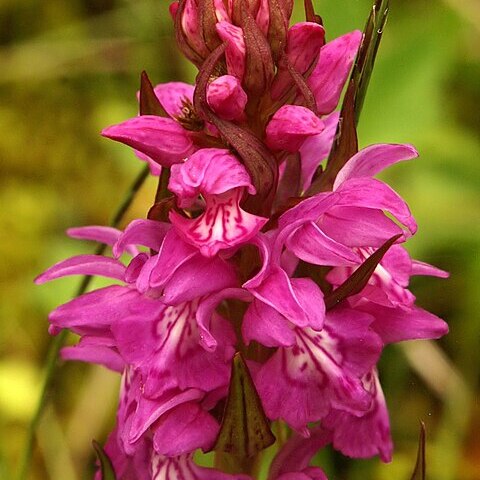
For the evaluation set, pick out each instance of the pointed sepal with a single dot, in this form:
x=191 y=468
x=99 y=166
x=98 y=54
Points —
x=359 y=279
x=245 y=429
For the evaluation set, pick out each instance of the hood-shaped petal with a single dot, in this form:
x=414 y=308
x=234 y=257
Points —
x=373 y=159
x=227 y=98
x=290 y=126
x=329 y=76
x=161 y=139
x=172 y=96
x=209 y=171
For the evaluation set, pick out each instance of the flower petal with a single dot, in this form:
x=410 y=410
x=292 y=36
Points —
x=183 y=430
x=329 y=76
x=172 y=95
x=235 y=52
x=84 y=265
x=100 y=234
x=265 y=325
x=223 y=224
x=161 y=139
x=371 y=193
x=365 y=436
x=148 y=233
x=405 y=323
x=311 y=244
x=358 y=226
x=372 y=160
x=210 y=171
x=316 y=148
x=290 y=126
x=227 y=98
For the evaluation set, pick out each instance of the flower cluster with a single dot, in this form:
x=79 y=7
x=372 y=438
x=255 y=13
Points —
x=243 y=255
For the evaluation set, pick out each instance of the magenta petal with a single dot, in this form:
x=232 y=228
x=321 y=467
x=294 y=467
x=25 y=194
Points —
x=298 y=452
x=265 y=325
x=84 y=265
x=100 y=309
x=329 y=76
x=227 y=98
x=407 y=323
x=300 y=300
x=100 y=234
x=173 y=253
x=365 y=436
x=371 y=193
x=197 y=277
x=235 y=52
x=206 y=311
x=308 y=383
x=223 y=224
x=311 y=244
x=358 y=226
x=161 y=139
x=177 y=359
x=182 y=467
x=148 y=233
x=210 y=171
x=99 y=354
x=149 y=411
x=290 y=126
x=372 y=160
x=422 y=268
x=184 y=429
x=172 y=95
x=315 y=149
x=304 y=42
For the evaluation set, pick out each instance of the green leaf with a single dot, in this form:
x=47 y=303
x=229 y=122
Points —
x=419 y=470
x=245 y=429
x=106 y=467
x=149 y=103
x=360 y=277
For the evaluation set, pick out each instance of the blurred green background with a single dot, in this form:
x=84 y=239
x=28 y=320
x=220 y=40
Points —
x=69 y=68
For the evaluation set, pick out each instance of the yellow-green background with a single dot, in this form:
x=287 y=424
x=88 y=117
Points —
x=70 y=67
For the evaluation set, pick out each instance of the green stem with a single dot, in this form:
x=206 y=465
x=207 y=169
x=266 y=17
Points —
x=58 y=341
